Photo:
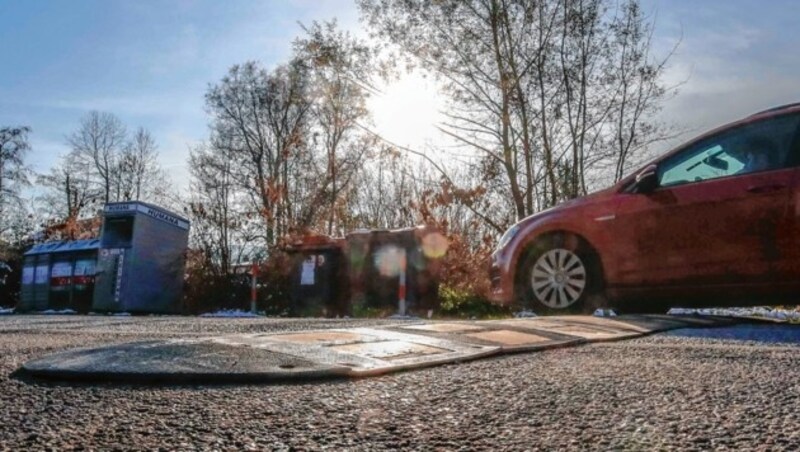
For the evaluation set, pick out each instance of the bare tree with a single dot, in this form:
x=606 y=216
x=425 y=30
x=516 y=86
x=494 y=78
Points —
x=385 y=190
x=96 y=146
x=212 y=208
x=538 y=89
x=639 y=93
x=259 y=120
x=141 y=176
x=69 y=194
x=341 y=72
x=13 y=173
x=470 y=47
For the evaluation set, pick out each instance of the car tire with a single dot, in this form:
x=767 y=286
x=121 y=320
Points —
x=559 y=274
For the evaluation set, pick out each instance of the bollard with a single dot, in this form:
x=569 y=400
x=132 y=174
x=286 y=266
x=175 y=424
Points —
x=254 y=288
x=401 y=287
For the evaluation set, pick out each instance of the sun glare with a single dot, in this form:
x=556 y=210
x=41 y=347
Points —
x=407 y=111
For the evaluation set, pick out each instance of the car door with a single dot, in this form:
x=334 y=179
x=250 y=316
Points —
x=716 y=215
x=787 y=268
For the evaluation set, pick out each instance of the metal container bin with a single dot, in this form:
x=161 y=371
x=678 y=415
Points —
x=141 y=261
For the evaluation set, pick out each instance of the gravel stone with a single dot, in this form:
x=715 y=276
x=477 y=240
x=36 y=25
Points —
x=723 y=390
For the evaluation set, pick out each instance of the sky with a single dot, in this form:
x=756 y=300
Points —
x=150 y=63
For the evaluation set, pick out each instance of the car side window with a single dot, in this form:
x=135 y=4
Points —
x=761 y=146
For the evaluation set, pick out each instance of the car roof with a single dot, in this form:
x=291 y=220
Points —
x=777 y=110
x=768 y=113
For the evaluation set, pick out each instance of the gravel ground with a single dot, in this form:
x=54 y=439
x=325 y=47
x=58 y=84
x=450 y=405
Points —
x=729 y=388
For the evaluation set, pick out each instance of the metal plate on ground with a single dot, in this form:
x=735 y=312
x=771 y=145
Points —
x=178 y=362
x=362 y=350
x=389 y=349
x=438 y=350
x=538 y=323
x=509 y=337
x=607 y=323
x=583 y=327
x=320 y=337
x=587 y=332
x=352 y=352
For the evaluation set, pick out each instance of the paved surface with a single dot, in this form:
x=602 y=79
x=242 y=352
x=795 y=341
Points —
x=691 y=389
x=330 y=353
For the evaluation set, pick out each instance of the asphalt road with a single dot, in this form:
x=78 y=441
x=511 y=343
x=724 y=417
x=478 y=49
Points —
x=735 y=388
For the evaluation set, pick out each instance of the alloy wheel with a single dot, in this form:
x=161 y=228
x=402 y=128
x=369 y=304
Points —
x=558 y=278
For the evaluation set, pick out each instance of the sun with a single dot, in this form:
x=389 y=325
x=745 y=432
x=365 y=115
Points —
x=407 y=111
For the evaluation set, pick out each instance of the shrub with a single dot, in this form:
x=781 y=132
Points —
x=10 y=271
x=465 y=304
x=274 y=281
x=208 y=290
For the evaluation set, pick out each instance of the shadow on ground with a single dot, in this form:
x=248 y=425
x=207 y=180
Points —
x=751 y=332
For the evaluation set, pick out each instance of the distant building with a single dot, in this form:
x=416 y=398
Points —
x=136 y=265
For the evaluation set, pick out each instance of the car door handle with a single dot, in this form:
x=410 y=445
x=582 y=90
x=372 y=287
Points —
x=765 y=188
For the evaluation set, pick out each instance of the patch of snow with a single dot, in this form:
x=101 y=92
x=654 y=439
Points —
x=58 y=312
x=403 y=317
x=525 y=313
x=230 y=313
x=681 y=311
x=121 y=314
x=6 y=311
x=604 y=313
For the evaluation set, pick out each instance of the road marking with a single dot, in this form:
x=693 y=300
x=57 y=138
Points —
x=508 y=337
x=389 y=349
x=444 y=327
x=321 y=337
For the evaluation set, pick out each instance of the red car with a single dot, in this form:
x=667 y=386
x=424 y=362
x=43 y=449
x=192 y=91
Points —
x=715 y=221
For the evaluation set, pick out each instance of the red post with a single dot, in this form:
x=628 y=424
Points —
x=254 y=287
x=401 y=287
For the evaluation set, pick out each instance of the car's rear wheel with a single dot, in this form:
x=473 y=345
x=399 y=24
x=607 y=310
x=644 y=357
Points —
x=560 y=274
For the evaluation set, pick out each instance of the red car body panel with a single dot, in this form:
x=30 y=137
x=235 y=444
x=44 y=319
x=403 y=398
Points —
x=736 y=235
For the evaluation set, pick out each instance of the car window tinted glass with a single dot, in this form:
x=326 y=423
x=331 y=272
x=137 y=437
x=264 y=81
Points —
x=762 y=146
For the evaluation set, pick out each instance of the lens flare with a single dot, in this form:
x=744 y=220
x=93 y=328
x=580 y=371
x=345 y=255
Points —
x=390 y=260
x=434 y=245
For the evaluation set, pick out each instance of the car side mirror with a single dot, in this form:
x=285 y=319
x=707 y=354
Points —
x=646 y=180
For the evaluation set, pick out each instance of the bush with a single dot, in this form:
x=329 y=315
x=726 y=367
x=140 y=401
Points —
x=465 y=304
x=206 y=290
x=10 y=274
x=274 y=291
x=464 y=280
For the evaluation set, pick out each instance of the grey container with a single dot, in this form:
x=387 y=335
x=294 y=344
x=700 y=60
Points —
x=45 y=284
x=141 y=262
x=35 y=288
